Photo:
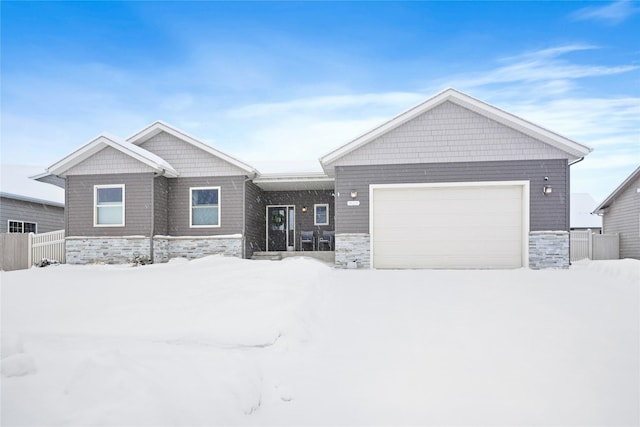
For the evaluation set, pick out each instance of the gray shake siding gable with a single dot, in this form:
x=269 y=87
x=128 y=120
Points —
x=450 y=133
x=550 y=212
x=189 y=160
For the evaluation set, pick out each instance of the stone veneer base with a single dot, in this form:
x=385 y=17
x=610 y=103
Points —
x=548 y=249
x=122 y=250
x=353 y=247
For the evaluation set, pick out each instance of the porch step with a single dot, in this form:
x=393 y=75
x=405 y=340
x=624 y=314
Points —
x=268 y=256
x=326 y=256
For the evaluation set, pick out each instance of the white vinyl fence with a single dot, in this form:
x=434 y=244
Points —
x=585 y=244
x=47 y=245
x=19 y=251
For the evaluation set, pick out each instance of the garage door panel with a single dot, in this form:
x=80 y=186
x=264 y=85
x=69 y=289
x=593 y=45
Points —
x=465 y=248
x=448 y=226
x=436 y=233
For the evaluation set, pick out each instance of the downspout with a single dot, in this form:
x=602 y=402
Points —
x=244 y=216
x=153 y=211
x=153 y=215
x=569 y=201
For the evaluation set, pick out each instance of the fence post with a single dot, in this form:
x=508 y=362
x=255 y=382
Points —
x=590 y=244
x=30 y=251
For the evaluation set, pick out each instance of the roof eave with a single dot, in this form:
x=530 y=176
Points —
x=159 y=126
x=31 y=199
x=601 y=208
x=573 y=149
x=95 y=145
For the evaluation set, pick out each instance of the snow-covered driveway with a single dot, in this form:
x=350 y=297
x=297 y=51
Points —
x=229 y=341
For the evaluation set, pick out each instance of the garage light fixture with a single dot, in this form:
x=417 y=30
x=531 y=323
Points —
x=547 y=189
x=354 y=194
x=304 y=209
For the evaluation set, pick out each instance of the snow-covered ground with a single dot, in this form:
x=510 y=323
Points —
x=228 y=341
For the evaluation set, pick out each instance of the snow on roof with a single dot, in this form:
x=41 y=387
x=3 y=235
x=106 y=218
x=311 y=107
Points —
x=15 y=183
x=105 y=139
x=582 y=204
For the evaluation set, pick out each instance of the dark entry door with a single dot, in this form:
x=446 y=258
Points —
x=280 y=228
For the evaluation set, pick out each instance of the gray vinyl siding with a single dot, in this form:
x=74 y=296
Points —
x=47 y=217
x=161 y=206
x=623 y=217
x=255 y=204
x=138 y=201
x=550 y=212
x=304 y=220
x=231 y=201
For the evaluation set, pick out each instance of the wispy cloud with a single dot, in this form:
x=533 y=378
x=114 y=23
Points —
x=612 y=14
x=546 y=65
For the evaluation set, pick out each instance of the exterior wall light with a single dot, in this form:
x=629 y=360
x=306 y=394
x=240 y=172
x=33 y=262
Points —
x=547 y=189
x=304 y=209
x=354 y=194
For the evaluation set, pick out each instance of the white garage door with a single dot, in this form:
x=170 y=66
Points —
x=470 y=225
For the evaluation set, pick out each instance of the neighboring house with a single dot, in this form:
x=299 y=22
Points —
x=451 y=183
x=582 y=218
x=26 y=205
x=621 y=214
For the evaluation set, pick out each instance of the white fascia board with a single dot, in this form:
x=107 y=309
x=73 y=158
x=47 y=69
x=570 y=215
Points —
x=606 y=202
x=572 y=148
x=293 y=182
x=104 y=140
x=159 y=126
x=538 y=132
x=90 y=148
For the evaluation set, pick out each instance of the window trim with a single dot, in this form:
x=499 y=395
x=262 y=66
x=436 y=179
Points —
x=315 y=213
x=95 y=204
x=9 y=221
x=191 y=225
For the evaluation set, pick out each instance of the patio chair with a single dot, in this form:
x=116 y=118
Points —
x=327 y=238
x=307 y=237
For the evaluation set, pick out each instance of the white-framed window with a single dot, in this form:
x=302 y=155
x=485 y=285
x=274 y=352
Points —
x=204 y=210
x=108 y=205
x=14 y=226
x=321 y=214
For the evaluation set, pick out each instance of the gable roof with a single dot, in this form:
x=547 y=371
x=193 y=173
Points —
x=103 y=140
x=572 y=148
x=159 y=126
x=622 y=187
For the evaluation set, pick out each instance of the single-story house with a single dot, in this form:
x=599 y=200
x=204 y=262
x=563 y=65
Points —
x=26 y=205
x=451 y=183
x=621 y=214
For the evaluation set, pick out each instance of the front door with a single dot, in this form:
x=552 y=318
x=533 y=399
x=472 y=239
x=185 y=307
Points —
x=280 y=228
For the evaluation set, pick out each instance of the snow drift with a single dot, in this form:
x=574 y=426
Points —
x=227 y=341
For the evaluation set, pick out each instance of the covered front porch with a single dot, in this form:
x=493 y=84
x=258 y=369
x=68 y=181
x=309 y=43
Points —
x=296 y=218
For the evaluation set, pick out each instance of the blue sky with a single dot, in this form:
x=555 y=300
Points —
x=272 y=82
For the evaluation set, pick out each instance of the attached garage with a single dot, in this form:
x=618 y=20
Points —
x=450 y=225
